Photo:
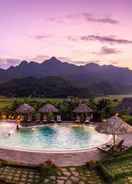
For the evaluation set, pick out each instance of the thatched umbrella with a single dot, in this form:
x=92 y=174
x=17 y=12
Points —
x=83 y=109
x=25 y=109
x=114 y=126
x=48 y=108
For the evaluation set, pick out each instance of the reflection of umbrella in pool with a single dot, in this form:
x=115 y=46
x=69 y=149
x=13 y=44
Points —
x=114 y=126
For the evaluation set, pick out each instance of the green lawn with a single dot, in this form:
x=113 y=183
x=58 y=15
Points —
x=117 y=169
x=7 y=102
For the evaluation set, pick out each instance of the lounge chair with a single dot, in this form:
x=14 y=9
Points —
x=58 y=118
x=87 y=119
x=113 y=148
x=78 y=119
x=44 y=119
x=103 y=150
x=29 y=119
x=52 y=120
x=38 y=118
x=120 y=146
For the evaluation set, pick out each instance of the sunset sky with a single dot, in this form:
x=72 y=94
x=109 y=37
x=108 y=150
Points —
x=76 y=31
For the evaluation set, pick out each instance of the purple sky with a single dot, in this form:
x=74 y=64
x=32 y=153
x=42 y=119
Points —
x=77 y=31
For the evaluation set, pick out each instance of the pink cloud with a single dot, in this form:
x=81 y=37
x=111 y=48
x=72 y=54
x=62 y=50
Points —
x=107 y=51
x=107 y=20
x=93 y=18
x=106 y=39
x=42 y=36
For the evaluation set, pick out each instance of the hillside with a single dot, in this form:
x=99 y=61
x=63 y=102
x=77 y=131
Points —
x=57 y=87
x=56 y=78
x=54 y=67
x=47 y=87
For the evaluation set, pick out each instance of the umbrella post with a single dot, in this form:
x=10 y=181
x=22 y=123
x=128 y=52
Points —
x=114 y=139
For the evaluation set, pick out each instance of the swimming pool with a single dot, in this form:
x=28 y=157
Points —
x=51 y=137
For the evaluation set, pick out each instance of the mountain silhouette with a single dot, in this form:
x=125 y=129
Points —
x=94 y=78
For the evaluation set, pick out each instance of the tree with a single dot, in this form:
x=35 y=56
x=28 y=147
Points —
x=104 y=109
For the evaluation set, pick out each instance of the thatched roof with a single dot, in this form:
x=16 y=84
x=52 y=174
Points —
x=125 y=105
x=48 y=108
x=82 y=108
x=25 y=108
x=114 y=125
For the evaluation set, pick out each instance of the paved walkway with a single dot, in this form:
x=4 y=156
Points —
x=19 y=175
x=67 y=175
x=74 y=175
x=126 y=180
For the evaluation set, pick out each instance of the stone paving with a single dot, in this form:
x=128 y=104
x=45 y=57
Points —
x=74 y=175
x=67 y=175
x=18 y=175
x=126 y=180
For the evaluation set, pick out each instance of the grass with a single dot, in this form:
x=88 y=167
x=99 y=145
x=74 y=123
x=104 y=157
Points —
x=7 y=102
x=118 y=97
x=118 y=168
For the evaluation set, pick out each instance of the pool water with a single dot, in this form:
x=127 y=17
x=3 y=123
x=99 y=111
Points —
x=51 y=137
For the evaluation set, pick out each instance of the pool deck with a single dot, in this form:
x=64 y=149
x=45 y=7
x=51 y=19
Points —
x=72 y=158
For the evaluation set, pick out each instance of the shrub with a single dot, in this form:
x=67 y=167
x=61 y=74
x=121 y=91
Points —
x=127 y=118
x=48 y=169
x=91 y=164
x=107 y=175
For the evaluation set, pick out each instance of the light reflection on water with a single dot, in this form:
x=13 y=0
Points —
x=52 y=137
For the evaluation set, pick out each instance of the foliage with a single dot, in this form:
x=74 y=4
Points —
x=115 y=167
x=45 y=87
x=127 y=118
x=91 y=164
x=104 y=109
x=48 y=169
x=92 y=102
x=104 y=172
x=66 y=110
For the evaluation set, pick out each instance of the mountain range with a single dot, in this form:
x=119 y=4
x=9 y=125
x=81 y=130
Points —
x=85 y=80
